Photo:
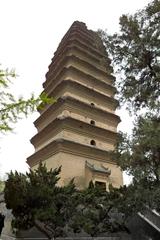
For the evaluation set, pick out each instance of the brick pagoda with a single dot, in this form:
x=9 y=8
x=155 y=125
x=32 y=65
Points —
x=78 y=131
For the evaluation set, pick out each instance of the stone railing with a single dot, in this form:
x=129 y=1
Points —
x=152 y=217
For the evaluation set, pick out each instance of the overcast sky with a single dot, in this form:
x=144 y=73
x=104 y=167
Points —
x=30 y=33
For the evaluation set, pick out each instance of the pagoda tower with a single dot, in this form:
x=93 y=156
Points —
x=78 y=131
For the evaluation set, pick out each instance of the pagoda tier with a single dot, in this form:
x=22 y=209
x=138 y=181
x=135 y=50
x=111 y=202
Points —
x=72 y=157
x=68 y=106
x=82 y=63
x=74 y=130
x=83 y=78
x=85 y=94
x=79 y=130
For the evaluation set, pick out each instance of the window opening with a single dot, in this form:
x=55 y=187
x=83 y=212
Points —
x=101 y=185
x=92 y=122
x=93 y=143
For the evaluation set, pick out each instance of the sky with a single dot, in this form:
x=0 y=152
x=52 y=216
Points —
x=30 y=33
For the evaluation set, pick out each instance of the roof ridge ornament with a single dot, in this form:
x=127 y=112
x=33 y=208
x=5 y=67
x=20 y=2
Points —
x=100 y=169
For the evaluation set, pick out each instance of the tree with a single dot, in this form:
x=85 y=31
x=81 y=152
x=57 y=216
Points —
x=37 y=200
x=135 y=52
x=96 y=211
x=2 y=185
x=11 y=109
x=139 y=155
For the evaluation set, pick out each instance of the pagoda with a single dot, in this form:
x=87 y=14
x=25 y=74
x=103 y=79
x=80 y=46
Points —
x=79 y=130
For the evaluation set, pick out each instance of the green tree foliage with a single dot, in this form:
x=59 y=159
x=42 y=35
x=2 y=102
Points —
x=139 y=155
x=135 y=52
x=2 y=185
x=36 y=200
x=96 y=212
x=11 y=109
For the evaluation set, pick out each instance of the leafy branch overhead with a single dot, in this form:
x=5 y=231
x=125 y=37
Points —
x=135 y=52
x=11 y=108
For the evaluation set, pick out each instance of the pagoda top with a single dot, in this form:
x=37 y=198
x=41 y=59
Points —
x=85 y=40
x=78 y=23
x=77 y=27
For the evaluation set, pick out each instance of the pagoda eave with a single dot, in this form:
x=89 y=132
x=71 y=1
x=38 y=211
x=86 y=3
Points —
x=83 y=89
x=72 y=69
x=76 y=60
x=66 y=146
x=76 y=126
x=72 y=103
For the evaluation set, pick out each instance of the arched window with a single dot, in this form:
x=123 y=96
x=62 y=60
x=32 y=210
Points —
x=93 y=143
x=92 y=122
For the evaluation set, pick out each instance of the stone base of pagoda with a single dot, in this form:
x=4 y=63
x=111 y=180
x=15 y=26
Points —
x=72 y=157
